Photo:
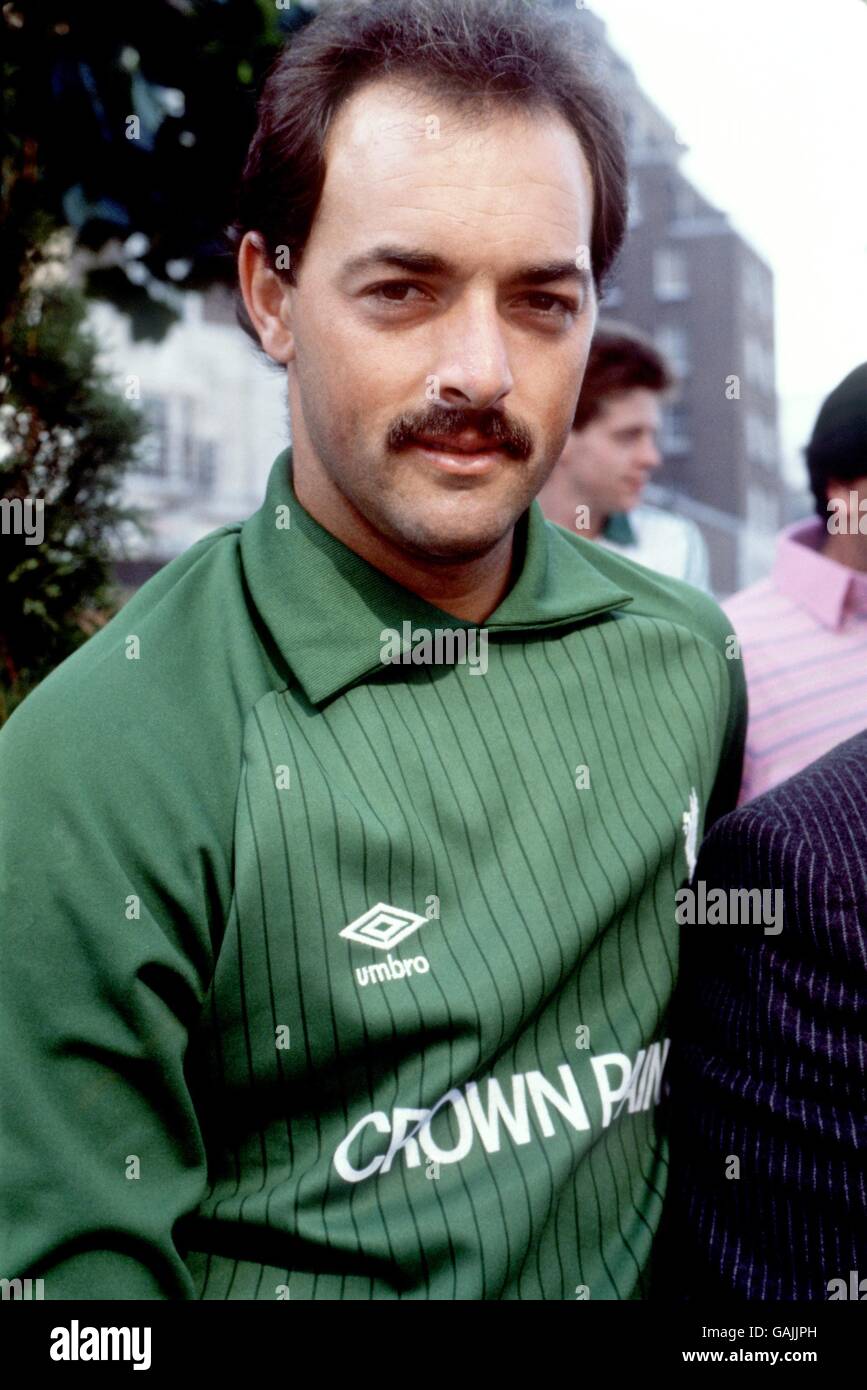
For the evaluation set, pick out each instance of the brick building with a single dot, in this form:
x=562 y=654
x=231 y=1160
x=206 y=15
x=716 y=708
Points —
x=691 y=281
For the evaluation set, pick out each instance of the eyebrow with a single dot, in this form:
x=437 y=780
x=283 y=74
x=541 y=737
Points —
x=416 y=261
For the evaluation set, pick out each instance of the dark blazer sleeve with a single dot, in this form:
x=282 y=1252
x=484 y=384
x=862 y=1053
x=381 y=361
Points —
x=768 y=1068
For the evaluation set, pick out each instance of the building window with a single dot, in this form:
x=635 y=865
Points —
x=768 y=374
x=755 y=437
x=152 y=455
x=684 y=200
x=756 y=290
x=172 y=449
x=763 y=508
x=753 y=432
x=759 y=366
x=673 y=342
x=761 y=439
x=675 y=437
x=636 y=130
x=187 y=442
x=670 y=277
x=753 y=361
x=207 y=464
x=635 y=214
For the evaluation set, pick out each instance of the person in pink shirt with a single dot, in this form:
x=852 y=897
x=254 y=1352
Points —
x=803 y=630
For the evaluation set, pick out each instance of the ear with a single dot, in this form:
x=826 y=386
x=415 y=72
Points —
x=267 y=297
x=839 y=491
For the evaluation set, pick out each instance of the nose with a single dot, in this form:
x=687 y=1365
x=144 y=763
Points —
x=651 y=458
x=475 y=373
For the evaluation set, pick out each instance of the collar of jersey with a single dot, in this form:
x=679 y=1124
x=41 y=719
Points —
x=326 y=607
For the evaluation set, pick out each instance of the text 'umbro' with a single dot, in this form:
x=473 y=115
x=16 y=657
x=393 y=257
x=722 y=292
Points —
x=393 y=968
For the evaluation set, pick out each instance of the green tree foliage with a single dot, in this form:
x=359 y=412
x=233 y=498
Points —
x=67 y=433
x=130 y=123
x=123 y=131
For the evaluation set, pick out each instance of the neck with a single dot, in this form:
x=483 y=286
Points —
x=849 y=550
x=595 y=522
x=467 y=589
x=560 y=501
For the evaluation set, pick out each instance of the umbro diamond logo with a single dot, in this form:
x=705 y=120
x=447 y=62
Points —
x=383 y=926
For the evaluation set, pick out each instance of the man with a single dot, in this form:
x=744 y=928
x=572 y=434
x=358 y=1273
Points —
x=611 y=453
x=338 y=940
x=768 y=1190
x=803 y=630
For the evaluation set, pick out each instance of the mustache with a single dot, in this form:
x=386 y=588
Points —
x=446 y=422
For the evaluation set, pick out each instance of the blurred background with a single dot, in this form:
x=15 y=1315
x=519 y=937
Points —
x=132 y=403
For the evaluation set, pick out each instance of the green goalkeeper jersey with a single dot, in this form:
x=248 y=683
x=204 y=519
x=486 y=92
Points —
x=338 y=936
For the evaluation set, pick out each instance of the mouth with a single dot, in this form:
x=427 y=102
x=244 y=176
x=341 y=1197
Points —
x=468 y=454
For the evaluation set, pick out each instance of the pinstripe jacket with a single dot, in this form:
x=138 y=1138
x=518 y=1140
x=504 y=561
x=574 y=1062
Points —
x=769 y=1062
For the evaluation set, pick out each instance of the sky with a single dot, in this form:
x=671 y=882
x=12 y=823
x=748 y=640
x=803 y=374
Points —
x=770 y=96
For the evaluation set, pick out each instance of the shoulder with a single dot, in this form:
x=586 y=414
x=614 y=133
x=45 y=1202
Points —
x=156 y=699
x=669 y=543
x=804 y=836
x=822 y=808
x=674 y=542
x=829 y=793
x=664 y=525
x=160 y=629
x=656 y=596
x=752 y=605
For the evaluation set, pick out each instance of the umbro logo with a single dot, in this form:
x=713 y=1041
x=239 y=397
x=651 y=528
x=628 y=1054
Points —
x=383 y=926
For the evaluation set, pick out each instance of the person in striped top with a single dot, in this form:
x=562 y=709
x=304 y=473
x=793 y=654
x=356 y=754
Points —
x=338 y=871
x=803 y=629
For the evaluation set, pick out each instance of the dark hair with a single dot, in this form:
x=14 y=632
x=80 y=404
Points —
x=621 y=359
x=838 y=446
x=470 y=53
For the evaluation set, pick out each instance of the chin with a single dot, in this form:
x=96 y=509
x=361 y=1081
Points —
x=459 y=540
x=456 y=545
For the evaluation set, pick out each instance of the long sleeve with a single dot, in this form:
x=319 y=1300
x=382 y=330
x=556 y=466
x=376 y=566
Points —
x=117 y=788
x=101 y=1148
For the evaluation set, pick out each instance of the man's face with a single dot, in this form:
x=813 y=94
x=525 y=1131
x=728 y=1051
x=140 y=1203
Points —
x=440 y=327
x=610 y=460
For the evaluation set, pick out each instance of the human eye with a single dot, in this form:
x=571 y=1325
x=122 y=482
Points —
x=396 y=292
x=550 y=306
